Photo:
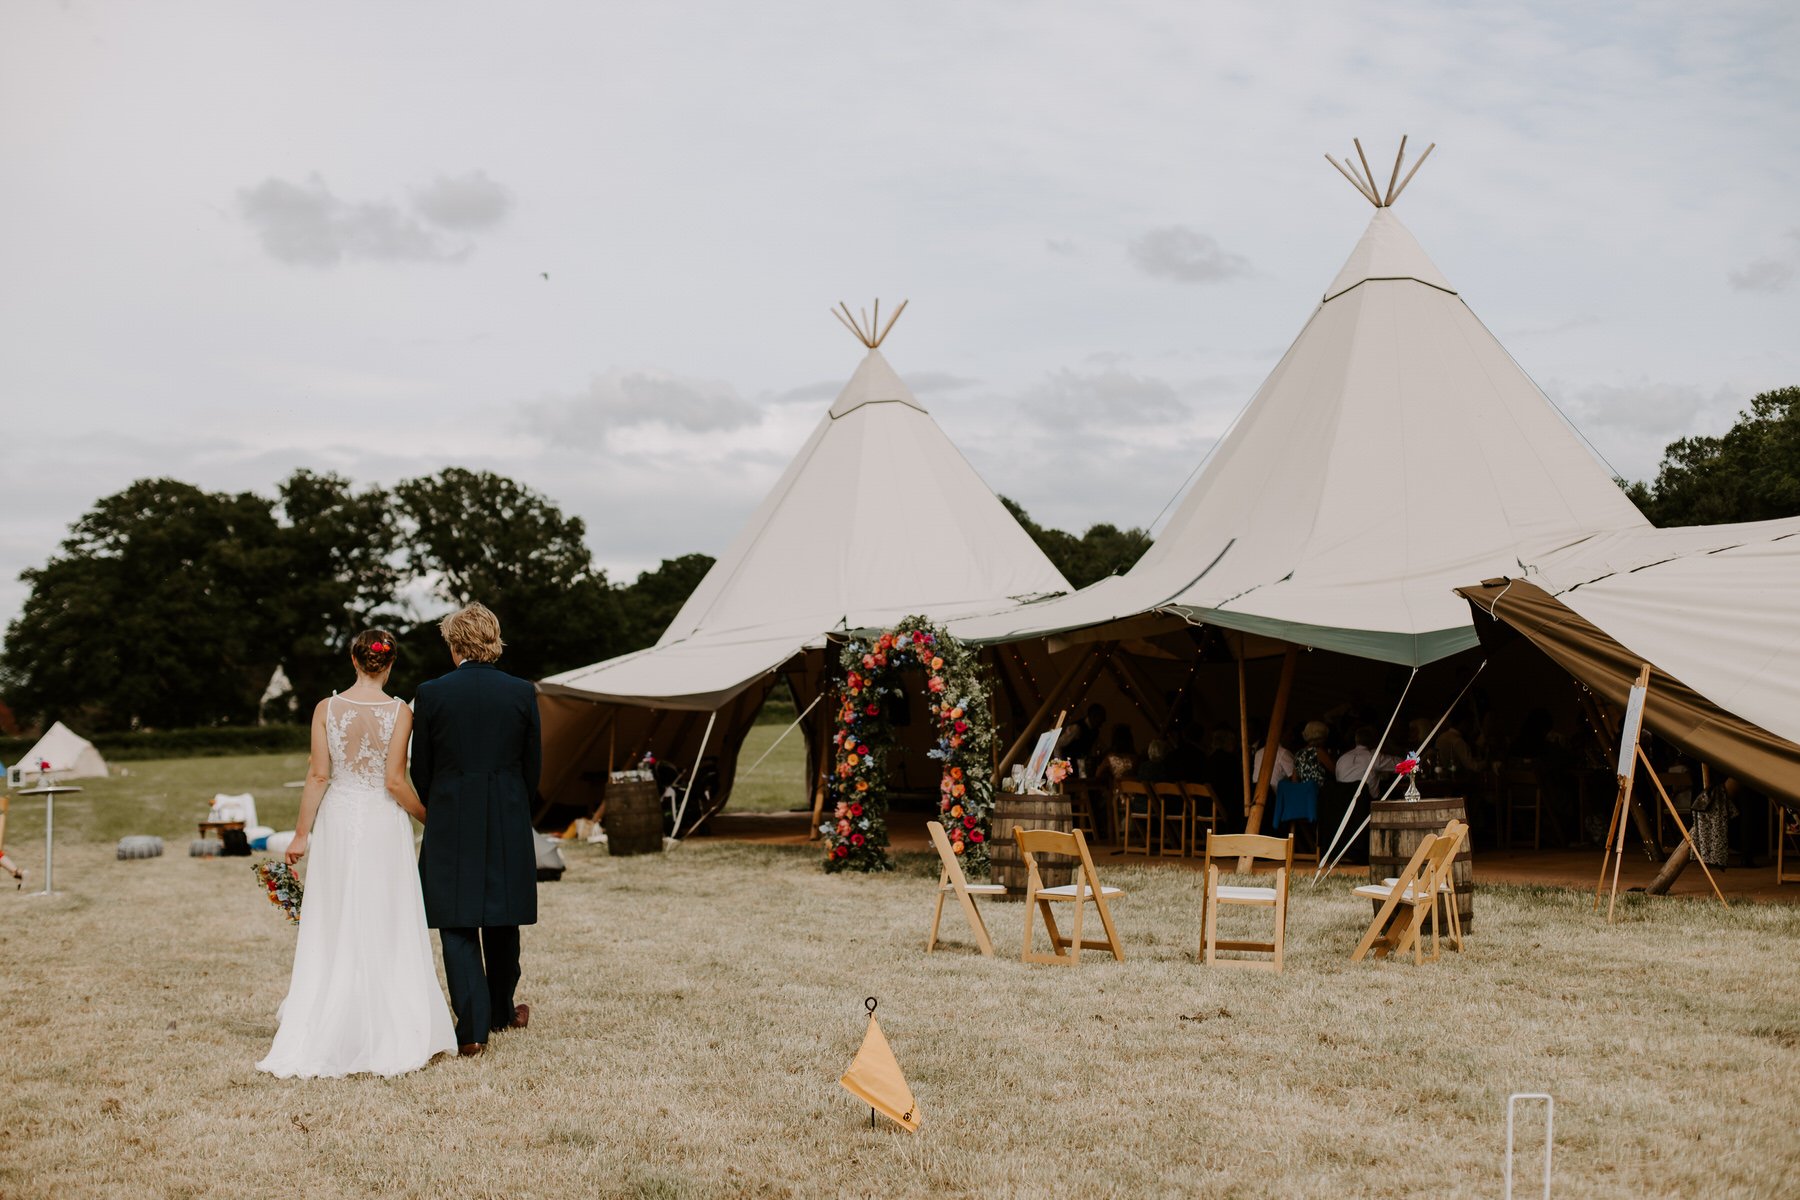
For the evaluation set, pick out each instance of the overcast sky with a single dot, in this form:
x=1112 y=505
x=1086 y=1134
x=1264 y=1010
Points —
x=239 y=237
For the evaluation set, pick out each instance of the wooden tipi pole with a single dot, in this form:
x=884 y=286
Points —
x=1271 y=744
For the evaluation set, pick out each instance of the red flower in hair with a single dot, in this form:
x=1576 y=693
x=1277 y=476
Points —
x=379 y=647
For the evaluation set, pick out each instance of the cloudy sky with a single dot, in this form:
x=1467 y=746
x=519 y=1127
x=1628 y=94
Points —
x=244 y=237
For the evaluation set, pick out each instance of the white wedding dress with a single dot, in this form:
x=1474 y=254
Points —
x=364 y=996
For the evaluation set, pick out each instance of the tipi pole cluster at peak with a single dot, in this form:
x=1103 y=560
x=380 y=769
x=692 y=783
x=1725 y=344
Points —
x=865 y=329
x=1365 y=183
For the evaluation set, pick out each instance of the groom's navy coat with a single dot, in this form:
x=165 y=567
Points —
x=475 y=759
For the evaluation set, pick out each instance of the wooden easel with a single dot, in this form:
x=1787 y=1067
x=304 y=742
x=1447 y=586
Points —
x=1631 y=753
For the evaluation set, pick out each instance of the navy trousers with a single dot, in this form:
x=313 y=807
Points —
x=482 y=969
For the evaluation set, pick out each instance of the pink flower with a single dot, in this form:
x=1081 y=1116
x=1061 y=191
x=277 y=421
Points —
x=936 y=684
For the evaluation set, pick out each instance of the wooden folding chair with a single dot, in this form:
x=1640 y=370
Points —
x=1411 y=898
x=952 y=881
x=1521 y=792
x=1445 y=887
x=1245 y=846
x=1066 y=951
x=1203 y=809
x=1081 y=806
x=1136 y=806
x=1171 y=806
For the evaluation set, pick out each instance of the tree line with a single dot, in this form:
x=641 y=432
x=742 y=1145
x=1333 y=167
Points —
x=168 y=606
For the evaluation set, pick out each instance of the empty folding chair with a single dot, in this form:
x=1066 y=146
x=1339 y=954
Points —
x=1040 y=900
x=952 y=882
x=1252 y=846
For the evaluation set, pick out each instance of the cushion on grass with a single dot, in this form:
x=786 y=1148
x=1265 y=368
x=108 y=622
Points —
x=204 y=848
x=140 y=846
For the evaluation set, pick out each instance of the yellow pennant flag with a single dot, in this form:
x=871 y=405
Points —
x=874 y=1077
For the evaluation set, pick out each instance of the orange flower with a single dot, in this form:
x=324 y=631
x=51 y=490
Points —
x=956 y=811
x=957 y=846
x=956 y=772
x=852 y=760
x=957 y=790
x=862 y=785
x=937 y=664
x=955 y=713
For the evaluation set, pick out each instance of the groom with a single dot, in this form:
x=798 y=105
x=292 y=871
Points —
x=475 y=758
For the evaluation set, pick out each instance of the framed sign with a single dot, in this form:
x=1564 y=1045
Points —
x=1040 y=759
x=1630 y=728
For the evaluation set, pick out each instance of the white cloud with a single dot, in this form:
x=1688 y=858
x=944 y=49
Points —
x=306 y=224
x=1186 y=256
x=622 y=399
x=465 y=202
x=1772 y=273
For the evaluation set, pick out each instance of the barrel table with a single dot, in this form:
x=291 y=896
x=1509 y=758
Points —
x=1396 y=827
x=1028 y=810
x=633 y=817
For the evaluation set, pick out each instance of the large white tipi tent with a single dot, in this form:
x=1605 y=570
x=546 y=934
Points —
x=70 y=756
x=878 y=517
x=1396 y=452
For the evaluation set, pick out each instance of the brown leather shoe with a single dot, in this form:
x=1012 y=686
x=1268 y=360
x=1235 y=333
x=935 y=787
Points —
x=521 y=1017
x=472 y=1050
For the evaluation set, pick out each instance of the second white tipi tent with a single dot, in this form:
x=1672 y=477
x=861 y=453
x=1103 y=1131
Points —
x=1396 y=452
x=878 y=517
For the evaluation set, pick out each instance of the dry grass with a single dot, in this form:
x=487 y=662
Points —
x=692 y=1013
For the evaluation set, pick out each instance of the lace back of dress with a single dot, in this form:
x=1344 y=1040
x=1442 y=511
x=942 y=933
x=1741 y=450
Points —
x=358 y=736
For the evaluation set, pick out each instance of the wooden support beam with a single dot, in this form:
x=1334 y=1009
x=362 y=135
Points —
x=1253 y=824
x=1243 y=728
x=1119 y=667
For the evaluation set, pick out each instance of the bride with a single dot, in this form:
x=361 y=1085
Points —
x=364 y=996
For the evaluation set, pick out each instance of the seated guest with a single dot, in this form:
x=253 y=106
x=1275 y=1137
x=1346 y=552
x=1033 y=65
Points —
x=1354 y=762
x=1284 y=765
x=1120 y=761
x=1314 y=763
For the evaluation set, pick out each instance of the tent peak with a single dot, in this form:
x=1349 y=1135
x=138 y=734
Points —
x=1365 y=184
x=867 y=330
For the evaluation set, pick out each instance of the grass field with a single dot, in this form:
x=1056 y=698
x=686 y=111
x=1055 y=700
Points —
x=692 y=1012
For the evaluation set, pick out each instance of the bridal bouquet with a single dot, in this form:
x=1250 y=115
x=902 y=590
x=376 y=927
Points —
x=283 y=886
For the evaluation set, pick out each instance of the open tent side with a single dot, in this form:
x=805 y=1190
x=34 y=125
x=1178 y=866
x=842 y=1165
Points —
x=1726 y=689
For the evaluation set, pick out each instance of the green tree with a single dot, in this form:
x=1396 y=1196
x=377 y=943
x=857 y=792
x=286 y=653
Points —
x=475 y=535
x=652 y=601
x=340 y=572
x=1752 y=473
x=1103 y=550
x=154 y=612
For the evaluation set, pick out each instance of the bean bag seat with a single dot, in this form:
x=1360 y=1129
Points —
x=140 y=846
x=204 y=848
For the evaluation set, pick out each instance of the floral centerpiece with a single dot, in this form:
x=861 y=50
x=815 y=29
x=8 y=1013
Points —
x=856 y=836
x=283 y=886
x=1057 y=770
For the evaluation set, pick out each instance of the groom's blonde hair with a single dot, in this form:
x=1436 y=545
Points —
x=473 y=632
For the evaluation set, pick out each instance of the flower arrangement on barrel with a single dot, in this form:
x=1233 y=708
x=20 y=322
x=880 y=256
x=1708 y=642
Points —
x=957 y=701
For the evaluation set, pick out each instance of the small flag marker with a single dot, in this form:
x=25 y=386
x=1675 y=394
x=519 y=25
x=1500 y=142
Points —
x=875 y=1078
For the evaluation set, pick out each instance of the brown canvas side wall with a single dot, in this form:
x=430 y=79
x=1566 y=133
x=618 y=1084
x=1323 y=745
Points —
x=1673 y=711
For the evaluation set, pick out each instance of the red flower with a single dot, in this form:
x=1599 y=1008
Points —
x=881 y=660
x=840 y=852
x=856 y=839
x=969 y=822
x=873 y=710
x=856 y=810
x=918 y=638
x=962 y=727
x=1407 y=765
x=976 y=836
x=869 y=661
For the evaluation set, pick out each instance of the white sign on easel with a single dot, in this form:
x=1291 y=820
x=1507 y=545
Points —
x=1630 y=729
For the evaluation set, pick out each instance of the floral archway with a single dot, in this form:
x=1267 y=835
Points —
x=957 y=702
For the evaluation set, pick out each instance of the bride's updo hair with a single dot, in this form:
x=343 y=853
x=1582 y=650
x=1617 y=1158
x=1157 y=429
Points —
x=373 y=651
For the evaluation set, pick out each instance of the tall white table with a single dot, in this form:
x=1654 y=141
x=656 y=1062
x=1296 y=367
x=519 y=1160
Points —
x=49 y=792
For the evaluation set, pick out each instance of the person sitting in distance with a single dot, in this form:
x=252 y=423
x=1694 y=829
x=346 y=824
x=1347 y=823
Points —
x=1353 y=763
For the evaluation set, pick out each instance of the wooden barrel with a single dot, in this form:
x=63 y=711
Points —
x=1028 y=810
x=1396 y=827
x=633 y=817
